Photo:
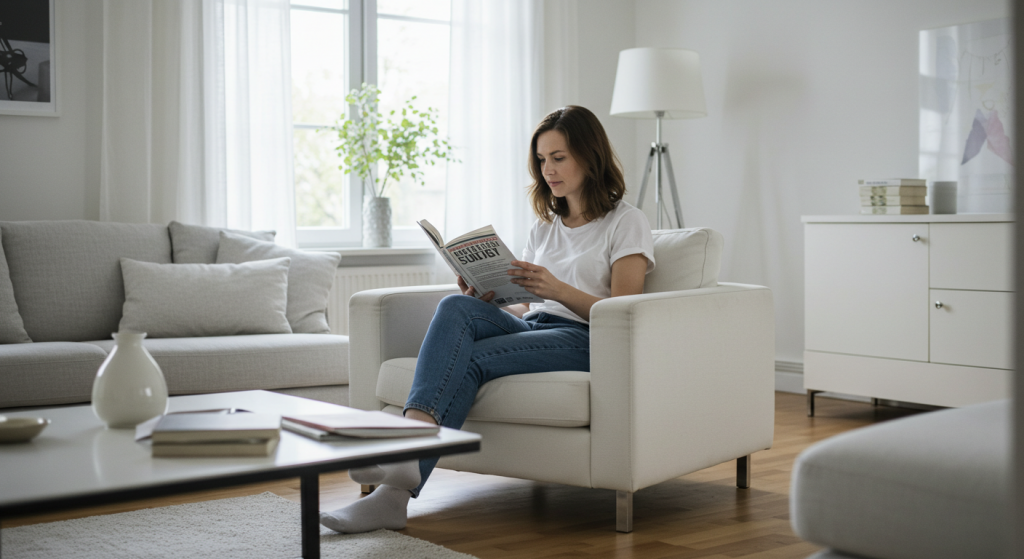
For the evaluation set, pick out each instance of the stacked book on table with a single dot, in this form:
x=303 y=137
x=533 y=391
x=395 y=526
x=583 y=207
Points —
x=216 y=434
x=893 y=197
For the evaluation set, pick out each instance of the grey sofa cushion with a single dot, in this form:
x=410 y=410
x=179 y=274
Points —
x=190 y=300
x=196 y=244
x=933 y=486
x=310 y=277
x=334 y=394
x=48 y=373
x=67 y=274
x=260 y=362
x=12 y=328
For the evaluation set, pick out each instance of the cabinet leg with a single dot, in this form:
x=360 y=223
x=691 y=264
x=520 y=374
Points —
x=743 y=472
x=810 y=402
x=367 y=488
x=874 y=402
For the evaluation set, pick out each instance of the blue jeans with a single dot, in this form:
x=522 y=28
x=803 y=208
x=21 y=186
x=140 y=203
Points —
x=470 y=342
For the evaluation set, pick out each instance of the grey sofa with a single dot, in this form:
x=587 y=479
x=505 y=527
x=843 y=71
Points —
x=68 y=293
x=932 y=486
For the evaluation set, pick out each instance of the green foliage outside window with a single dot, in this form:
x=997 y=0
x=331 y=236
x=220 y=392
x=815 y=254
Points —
x=403 y=141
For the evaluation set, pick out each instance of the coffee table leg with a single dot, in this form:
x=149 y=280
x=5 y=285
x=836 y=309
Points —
x=309 y=492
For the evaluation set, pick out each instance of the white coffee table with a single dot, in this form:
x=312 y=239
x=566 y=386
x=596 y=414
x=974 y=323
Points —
x=77 y=462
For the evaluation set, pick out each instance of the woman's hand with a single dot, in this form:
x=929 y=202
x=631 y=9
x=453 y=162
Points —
x=471 y=291
x=539 y=281
x=627 y=279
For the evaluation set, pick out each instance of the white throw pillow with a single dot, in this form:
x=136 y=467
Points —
x=310 y=277
x=687 y=259
x=199 y=300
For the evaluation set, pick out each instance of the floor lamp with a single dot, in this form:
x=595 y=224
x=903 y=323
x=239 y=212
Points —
x=659 y=83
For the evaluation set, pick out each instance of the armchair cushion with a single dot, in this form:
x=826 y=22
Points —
x=687 y=259
x=556 y=399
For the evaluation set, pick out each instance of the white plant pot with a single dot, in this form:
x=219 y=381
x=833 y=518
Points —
x=129 y=387
x=377 y=222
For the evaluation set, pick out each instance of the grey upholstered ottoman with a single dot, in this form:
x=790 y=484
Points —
x=931 y=486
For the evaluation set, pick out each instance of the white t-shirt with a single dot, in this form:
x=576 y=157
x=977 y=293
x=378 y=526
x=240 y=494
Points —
x=583 y=256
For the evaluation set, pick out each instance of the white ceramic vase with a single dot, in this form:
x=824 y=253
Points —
x=377 y=222
x=129 y=387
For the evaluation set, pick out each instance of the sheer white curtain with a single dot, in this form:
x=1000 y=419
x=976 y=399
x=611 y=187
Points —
x=496 y=100
x=196 y=122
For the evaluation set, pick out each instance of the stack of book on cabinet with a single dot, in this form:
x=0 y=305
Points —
x=216 y=434
x=893 y=196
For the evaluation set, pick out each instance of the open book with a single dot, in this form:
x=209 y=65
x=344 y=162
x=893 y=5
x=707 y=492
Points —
x=483 y=260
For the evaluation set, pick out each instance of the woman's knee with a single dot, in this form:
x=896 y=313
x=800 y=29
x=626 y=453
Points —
x=456 y=304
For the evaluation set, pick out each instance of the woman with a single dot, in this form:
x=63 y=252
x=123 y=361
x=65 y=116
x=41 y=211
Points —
x=588 y=244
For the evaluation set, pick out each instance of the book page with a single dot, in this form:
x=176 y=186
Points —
x=486 y=261
x=432 y=233
x=482 y=260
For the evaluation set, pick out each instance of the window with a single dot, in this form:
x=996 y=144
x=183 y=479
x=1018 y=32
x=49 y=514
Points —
x=404 y=48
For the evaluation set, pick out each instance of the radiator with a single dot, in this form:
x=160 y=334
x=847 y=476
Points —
x=348 y=281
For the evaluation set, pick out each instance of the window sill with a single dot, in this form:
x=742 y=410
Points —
x=386 y=256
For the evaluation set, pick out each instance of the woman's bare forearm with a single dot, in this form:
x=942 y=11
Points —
x=580 y=302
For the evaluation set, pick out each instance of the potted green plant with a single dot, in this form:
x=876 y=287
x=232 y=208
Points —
x=383 y=149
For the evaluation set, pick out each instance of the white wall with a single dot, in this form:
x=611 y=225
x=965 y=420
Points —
x=605 y=27
x=49 y=167
x=804 y=97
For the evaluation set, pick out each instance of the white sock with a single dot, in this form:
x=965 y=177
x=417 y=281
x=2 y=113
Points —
x=403 y=475
x=369 y=475
x=385 y=508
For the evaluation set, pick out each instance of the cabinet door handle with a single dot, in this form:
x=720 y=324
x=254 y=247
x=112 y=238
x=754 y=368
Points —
x=916 y=238
x=938 y=304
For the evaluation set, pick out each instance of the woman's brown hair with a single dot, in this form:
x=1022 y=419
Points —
x=603 y=185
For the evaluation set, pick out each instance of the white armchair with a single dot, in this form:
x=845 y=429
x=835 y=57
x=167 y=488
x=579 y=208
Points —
x=681 y=379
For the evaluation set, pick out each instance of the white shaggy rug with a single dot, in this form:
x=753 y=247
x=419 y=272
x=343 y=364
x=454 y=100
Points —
x=263 y=525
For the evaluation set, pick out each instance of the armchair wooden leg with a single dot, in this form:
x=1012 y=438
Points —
x=367 y=488
x=743 y=472
x=624 y=511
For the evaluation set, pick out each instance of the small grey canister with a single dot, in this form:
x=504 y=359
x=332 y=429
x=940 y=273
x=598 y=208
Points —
x=944 y=197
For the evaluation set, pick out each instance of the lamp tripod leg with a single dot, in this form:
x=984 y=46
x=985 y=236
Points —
x=672 y=185
x=643 y=183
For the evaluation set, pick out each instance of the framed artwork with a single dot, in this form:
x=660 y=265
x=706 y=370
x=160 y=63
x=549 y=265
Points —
x=966 y=113
x=28 y=58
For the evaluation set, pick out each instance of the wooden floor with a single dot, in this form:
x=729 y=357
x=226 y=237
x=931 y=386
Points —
x=699 y=515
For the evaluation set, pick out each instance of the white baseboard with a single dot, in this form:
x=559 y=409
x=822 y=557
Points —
x=789 y=382
x=789 y=377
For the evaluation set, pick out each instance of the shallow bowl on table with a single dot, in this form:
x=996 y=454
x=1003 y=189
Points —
x=21 y=429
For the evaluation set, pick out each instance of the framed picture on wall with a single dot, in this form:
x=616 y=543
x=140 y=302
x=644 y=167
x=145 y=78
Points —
x=28 y=58
x=966 y=113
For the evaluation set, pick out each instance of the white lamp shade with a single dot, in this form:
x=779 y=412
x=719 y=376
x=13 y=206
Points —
x=658 y=79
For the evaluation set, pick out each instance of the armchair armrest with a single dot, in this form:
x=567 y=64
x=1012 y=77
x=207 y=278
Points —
x=387 y=324
x=680 y=381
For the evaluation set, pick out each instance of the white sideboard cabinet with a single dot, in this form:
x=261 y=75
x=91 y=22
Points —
x=909 y=308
